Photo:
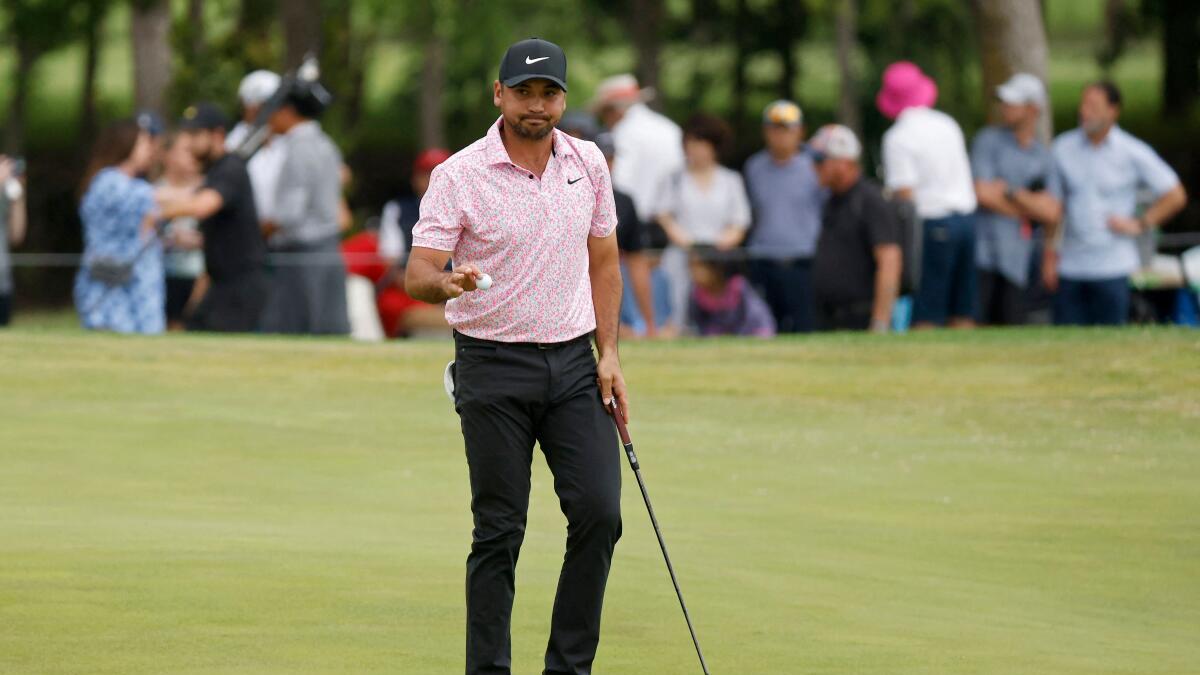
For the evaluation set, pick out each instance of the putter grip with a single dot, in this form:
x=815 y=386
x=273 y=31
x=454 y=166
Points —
x=622 y=430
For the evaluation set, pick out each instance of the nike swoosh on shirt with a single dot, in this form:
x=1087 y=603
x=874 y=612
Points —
x=572 y=182
x=530 y=62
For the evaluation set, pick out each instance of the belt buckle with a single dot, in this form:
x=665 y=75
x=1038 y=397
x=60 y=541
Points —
x=546 y=346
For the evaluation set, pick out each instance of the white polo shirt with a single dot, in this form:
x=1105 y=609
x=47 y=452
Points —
x=263 y=167
x=925 y=151
x=649 y=148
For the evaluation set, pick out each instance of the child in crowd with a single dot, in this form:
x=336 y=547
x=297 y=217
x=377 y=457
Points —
x=722 y=303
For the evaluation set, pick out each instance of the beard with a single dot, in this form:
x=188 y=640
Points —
x=518 y=127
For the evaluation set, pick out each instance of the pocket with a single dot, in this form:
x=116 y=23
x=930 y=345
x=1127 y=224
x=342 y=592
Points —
x=475 y=352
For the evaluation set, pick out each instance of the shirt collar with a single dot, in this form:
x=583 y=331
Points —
x=304 y=127
x=497 y=154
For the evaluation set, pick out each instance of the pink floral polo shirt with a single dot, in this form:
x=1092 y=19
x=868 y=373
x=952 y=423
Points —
x=529 y=234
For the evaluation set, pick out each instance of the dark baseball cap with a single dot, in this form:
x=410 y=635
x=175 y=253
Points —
x=533 y=59
x=203 y=116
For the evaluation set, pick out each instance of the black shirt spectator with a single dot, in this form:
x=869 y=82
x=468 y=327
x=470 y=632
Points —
x=233 y=244
x=854 y=223
x=630 y=232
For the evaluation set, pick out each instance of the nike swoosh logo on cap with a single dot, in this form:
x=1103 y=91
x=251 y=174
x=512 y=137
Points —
x=530 y=62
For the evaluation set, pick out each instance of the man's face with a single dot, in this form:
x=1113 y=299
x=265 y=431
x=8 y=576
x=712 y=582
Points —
x=532 y=108
x=1014 y=115
x=200 y=142
x=783 y=140
x=1096 y=114
x=825 y=172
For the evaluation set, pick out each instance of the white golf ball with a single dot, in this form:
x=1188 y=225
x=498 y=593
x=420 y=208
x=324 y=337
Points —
x=484 y=282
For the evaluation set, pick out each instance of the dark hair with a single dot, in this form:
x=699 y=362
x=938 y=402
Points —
x=114 y=145
x=1110 y=91
x=710 y=129
x=727 y=263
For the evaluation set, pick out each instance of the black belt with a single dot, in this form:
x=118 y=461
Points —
x=586 y=337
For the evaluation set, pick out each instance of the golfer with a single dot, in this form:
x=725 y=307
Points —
x=532 y=209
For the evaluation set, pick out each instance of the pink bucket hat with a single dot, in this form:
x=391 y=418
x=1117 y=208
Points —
x=904 y=86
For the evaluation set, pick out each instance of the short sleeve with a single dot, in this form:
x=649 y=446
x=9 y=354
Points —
x=143 y=197
x=879 y=219
x=899 y=165
x=983 y=156
x=440 y=224
x=739 y=214
x=604 y=214
x=1054 y=179
x=224 y=183
x=1152 y=170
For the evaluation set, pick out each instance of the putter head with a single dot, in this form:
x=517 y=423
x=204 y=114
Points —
x=448 y=381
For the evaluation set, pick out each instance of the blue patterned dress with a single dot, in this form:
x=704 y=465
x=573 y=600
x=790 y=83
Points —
x=112 y=212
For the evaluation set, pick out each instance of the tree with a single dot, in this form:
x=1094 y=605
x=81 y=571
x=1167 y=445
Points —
x=150 y=32
x=1012 y=39
x=1181 y=55
x=846 y=35
x=645 y=27
x=96 y=11
x=301 y=30
x=35 y=27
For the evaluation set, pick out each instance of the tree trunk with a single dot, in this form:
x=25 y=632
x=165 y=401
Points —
x=1181 y=56
x=301 y=30
x=791 y=26
x=1012 y=39
x=251 y=43
x=846 y=28
x=433 y=83
x=150 y=33
x=91 y=58
x=199 y=41
x=14 y=136
x=741 y=38
x=645 y=24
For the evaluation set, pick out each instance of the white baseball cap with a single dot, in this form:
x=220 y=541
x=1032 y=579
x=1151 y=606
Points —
x=836 y=141
x=620 y=89
x=1022 y=89
x=257 y=87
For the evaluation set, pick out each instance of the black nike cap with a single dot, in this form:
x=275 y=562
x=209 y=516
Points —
x=532 y=59
x=205 y=116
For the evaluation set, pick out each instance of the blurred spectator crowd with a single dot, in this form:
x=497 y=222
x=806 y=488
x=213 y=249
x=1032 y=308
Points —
x=243 y=226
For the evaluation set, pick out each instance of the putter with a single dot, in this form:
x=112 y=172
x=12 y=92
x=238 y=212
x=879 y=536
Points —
x=637 y=471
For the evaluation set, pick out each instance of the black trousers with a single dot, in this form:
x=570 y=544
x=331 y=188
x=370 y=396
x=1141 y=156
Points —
x=232 y=305
x=508 y=396
x=786 y=285
x=844 y=315
x=1001 y=302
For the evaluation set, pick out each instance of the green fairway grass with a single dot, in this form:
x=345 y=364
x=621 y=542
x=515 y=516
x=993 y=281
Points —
x=1002 y=502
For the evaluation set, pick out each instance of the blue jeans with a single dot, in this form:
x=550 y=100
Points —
x=631 y=315
x=948 y=279
x=1102 y=302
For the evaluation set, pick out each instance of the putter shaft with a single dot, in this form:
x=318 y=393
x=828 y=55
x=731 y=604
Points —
x=623 y=431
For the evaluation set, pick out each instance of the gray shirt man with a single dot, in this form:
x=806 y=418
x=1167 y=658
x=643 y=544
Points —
x=787 y=204
x=1002 y=244
x=308 y=283
x=309 y=190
